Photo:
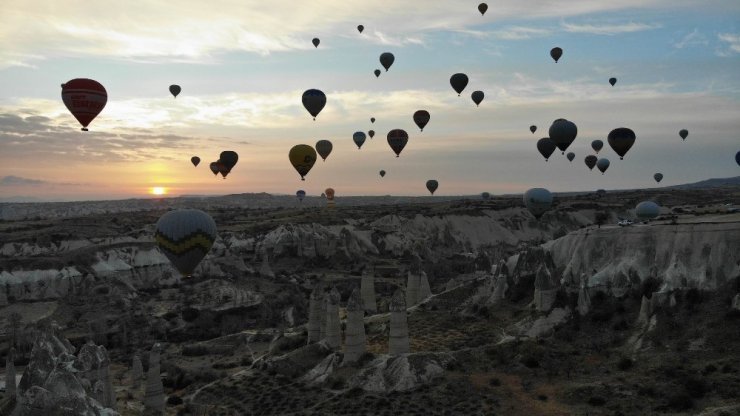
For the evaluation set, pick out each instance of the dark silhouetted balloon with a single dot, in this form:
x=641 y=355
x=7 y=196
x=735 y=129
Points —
x=546 y=147
x=372 y=119
x=571 y=156
x=329 y=192
x=482 y=8
x=538 y=201
x=647 y=210
x=556 y=53
x=421 y=118
x=382 y=173
x=85 y=99
x=314 y=101
x=597 y=145
x=591 y=161
x=386 y=59
x=602 y=165
x=371 y=133
x=215 y=168
x=302 y=157
x=458 y=82
x=533 y=128
x=360 y=28
x=684 y=134
x=563 y=132
x=323 y=148
x=315 y=42
x=737 y=158
x=612 y=81
x=229 y=159
x=300 y=194
x=175 y=90
x=621 y=140
x=432 y=185
x=358 y=138
x=397 y=140
x=658 y=177
x=485 y=195
x=195 y=160
x=377 y=73
x=185 y=236
x=477 y=97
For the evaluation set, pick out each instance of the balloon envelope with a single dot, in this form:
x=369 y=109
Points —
x=538 y=201
x=485 y=195
x=358 y=138
x=658 y=177
x=85 y=99
x=372 y=119
x=397 y=140
x=371 y=133
x=563 y=132
x=684 y=134
x=621 y=140
x=591 y=161
x=432 y=185
x=175 y=90
x=646 y=210
x=323 y=148
x=602 y=165
x=314 y=101
x=612 y=81
x=360 y=28
x=229 y=159
x=315 y=42
x=185 y=236
x=382 y=173
x=546 y=147
x=597 y=145
x=329 y=192
x=571 y=156
x=214 y=166
x=386 y=59
x=482 y=8
x=737 y=158
x=556 y=53
x=533 y=128
x=459 y=82
x=377 y=73
x=477 y=97
x=195 y=160
x=302 y=157
x=300 y=194
x=421 y=118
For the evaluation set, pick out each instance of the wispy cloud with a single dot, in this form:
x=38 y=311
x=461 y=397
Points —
x=18 y=181
x=608 y=29
x=731 y=44
x=521 y=32
x=693 y=38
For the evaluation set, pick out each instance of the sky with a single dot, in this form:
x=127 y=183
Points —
x=243 y=66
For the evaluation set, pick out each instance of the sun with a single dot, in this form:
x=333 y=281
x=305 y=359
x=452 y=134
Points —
x=158 y=190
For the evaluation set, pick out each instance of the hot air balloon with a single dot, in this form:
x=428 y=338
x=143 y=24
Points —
x=214 y=166
x=421 y=118
x=228 y=158
x=621 y=140
x=300 y=194
x=397 y=139
x=382 y=173
x=459 y=81
x=563 y=132
x=477 y=97
x=684 y=134
x=302 y=157
x=485 y=195
x=175 y=90
x=315 y=42
x=377 y=73
x=612 y=81
x=323 y=148
x=85 y=99
x=372 y=119
x=658 y=177
x=386 y=59
x=329 y=192
x=358 y=138
x=314 y=101
x=546 y=147
x=360 y=28
x=533 y=128
x=556 y=53
x=482 y=8
x=737 y=158
x=602 y=164
x=222 y=169
x=571 y=156
x=432 y=185
x=371 y=133
x=538 y=201
x=597 y=145
x=185 y=236
x=591 y=161
x=647 y=210
x=195 y=160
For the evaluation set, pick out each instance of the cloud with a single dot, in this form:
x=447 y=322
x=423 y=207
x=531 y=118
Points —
x=732 y=44
x=18 y=181
x=608 y=29
x=521 y=32
x=694 y=38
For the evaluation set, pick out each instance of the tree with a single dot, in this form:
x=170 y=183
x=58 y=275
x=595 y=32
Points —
x=601 y=218
x=15 y=324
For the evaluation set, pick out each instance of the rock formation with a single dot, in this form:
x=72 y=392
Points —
x=314 y=315
x=323 y=300
x=499 y=289
x=10 y=374
x=137 y=372
x=3 y=298
x=584 y=301
x=265 y=269
x=154 y=394
x=398 y=340
x=736 y=302
x=645 y=312
x=354 y=339
x=367 y=287
x=93 y=367
x=333 y=325
x=425 y=291
x=545 y=289
x=412 y=289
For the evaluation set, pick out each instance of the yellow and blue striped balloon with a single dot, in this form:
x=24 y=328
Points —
x=185 y=236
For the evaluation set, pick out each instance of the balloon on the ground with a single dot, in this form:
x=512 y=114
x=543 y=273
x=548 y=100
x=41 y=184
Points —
x=482 y=8
x=300 y=194
x=185 y=236
x=387 y=59
x=397 y=139
x=647 y=210
x=621 y=140
x=314 y=101
x=477 y=97
x=597 y=145
x=458 y=82
x=546 y=147
x=533 y=128
x=421 y=118
x=658 y=177
x=591 y=161
x=684 y=134
x=195 y=160
x=563 y=132
x=85 y=99
x=538 y=201
x=323 y=148
x=382 y=173
x=556 y=53
x=302 y=157
x=571 y=156
x=602 y=165
x=315 y=42
x=175 y=90
x=359 y=138
x=612 y=81
x=432 y=186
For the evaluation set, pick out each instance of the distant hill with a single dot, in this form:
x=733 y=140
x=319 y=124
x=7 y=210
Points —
x=710 y=183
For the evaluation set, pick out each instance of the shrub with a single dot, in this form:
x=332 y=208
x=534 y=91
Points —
x=596 y=401
x=194 y=350
x=695 y=387
x=174 y=400
x=530 y=362
x=625 y=364
x=680 y=401
x=693 y=296
x=648 y=286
